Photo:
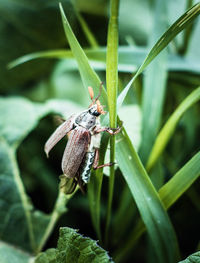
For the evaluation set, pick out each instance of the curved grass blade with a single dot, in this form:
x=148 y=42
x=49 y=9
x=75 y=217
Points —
x=89 y=78
x=164 y=40
x=59 y=53
x=130 y=58
x=168 y=129
x=148 y=202
x=90 y=37
x=180 y=182
x=88 y=75
x=169 y=194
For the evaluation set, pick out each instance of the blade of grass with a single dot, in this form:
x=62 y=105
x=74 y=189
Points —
x=129 y=59
x=154 y=86
x=169 y=194
x=148 y=202
x=112 y=86
x=90 y=37
x=89 y=78
x=56 y=54
x=164 y=40
x=88 y=75
x=168 y=129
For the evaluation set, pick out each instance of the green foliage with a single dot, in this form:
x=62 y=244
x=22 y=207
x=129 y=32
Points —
x=156 y=155
x=194 y=258
x=73 y=247
x=9 y=254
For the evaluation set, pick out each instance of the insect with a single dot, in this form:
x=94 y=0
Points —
x=82 y=150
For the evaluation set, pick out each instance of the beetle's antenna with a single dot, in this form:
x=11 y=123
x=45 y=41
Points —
x=91 y=92
x=100 y=108
x=100 y=89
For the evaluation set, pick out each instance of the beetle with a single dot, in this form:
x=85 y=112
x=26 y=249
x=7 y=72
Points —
x=81 y=153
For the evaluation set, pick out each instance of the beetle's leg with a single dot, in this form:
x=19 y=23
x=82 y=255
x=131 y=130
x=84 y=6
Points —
x=96 y=161
x=111 y=131
x=80 y=183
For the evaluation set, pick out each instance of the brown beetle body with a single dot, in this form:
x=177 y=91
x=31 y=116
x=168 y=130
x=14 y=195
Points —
x=82 y=149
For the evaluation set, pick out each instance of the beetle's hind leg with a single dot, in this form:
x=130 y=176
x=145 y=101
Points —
x=96 y=161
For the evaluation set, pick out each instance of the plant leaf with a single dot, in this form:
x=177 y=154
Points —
x=180 y=182
x=9 y=254
x=164 y=40
x=16 y=210
x=154 y=86
x=194 y=258
x=147 y=200
x=73 y=247
x=89 y=77
x=168 y=129
x=169 y=194
x=130 y=58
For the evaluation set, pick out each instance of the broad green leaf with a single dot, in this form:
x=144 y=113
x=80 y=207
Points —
x=15 y=129
x=154 y=86
x=194 y=258
x=11 y=254
x=147 y=200
x=15 y=208
x=73 y=247
x=168 y=129
x=164 y=40
x=169 y=194
x=16 y=211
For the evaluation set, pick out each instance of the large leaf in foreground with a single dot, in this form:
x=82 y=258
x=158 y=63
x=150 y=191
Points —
x=73 y=247
x=194 y=258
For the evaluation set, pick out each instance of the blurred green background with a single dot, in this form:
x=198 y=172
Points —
x=28 y=26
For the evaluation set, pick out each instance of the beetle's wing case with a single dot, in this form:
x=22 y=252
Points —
x=75 y=151
x=59 y=133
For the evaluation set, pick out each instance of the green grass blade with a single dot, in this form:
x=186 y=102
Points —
x=130 y=58
x=89 y=78
x=169 y=194
x=180 y=182
x=112 y=85
x=152 y=212
x=164 y=40
x=90 y=37
x=88 y=75
x=154 y=86
x=168 y=129
x=60 y=53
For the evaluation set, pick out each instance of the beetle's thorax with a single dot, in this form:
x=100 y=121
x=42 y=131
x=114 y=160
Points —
x=88 y=118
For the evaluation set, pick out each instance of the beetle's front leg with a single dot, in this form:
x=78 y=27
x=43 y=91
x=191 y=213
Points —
x=111 y=131
x=96 y=161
